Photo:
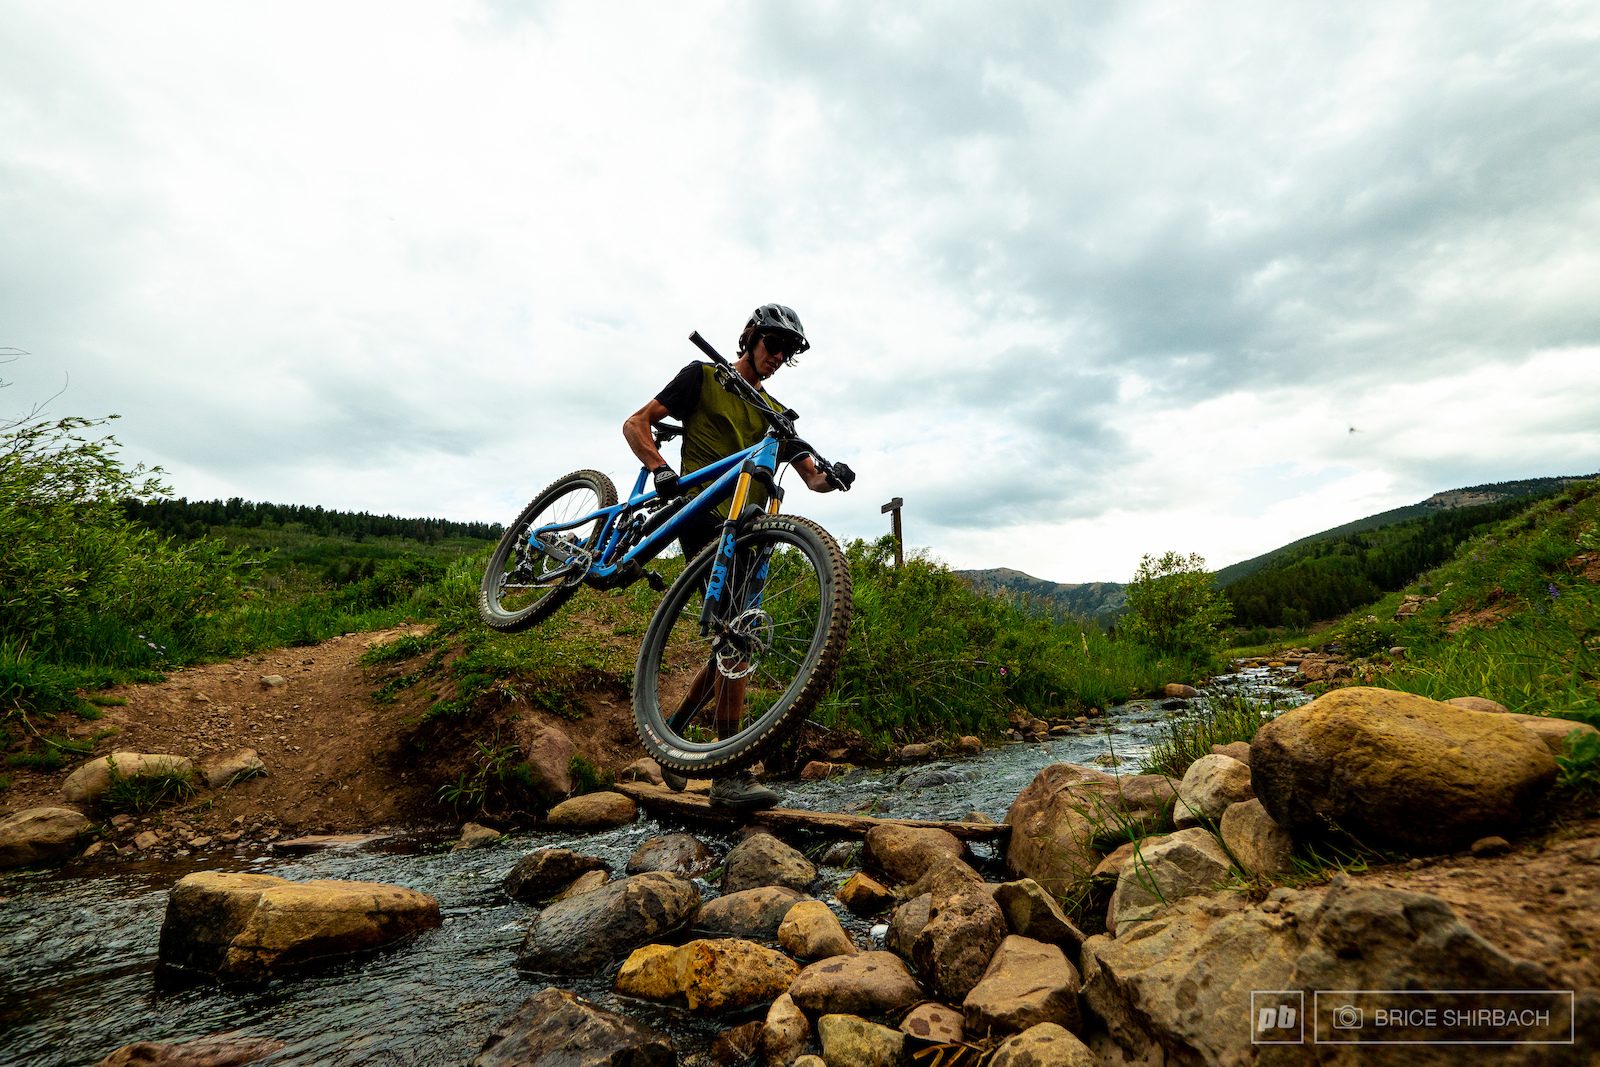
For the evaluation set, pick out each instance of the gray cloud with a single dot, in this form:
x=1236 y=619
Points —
x=1035 y=241
x=1489 y=141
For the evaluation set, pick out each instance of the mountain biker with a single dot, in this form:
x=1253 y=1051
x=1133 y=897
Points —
x=717 y=424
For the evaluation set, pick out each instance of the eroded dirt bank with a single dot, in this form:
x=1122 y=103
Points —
x=337 y=759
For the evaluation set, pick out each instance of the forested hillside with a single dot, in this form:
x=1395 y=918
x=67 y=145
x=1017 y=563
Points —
x=1330 y=576
x=1472 y=495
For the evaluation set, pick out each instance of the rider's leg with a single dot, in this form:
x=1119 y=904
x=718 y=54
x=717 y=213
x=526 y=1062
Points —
x=730 y=705
x=738 y=790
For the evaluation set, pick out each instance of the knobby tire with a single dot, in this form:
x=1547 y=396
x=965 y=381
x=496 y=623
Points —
x=813 y=674
x=571 y=493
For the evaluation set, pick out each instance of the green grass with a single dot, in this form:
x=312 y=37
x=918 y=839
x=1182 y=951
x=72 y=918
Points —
x=1541 y=653
x=1580 y=765
x=928 y=657
x=144 y=793
x=587 y=778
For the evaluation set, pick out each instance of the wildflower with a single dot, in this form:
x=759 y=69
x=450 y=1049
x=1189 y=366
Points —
x=1002 y=670
x=1554 y=592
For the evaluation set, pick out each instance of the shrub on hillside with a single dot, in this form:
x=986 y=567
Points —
x=80 y=583
x=1174 y=608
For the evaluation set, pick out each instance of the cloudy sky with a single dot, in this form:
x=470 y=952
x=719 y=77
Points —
x=1084 y=281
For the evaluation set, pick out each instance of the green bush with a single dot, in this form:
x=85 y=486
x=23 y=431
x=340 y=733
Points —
x=1366 y=636
x=1174 y=608
x=929 y=657
x=587 y=778
x=79 y=583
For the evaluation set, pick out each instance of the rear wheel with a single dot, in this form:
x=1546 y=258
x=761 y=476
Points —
x=788 y=619
x=523 y=584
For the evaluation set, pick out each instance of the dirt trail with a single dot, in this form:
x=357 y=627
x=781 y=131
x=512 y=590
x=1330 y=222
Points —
x=337 y=760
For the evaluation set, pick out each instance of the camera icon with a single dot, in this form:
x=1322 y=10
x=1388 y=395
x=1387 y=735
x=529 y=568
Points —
x=1349 y=1017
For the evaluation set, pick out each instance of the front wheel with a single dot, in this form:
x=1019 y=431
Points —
x=522 y=585
x=708 y=704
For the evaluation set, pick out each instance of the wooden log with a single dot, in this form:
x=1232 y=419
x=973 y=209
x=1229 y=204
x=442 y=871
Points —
x=696 y=806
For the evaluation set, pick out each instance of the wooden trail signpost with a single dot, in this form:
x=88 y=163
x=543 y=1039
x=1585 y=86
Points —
x=892 y=509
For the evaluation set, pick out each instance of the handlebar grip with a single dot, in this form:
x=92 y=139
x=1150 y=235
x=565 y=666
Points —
x=705 y=346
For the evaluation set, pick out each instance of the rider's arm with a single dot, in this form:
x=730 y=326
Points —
x=815 y=480
x=636 y=431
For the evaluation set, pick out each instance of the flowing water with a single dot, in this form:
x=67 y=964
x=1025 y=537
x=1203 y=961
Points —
x=78 y=942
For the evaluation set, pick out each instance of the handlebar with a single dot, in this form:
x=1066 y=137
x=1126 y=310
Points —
x=781 y=421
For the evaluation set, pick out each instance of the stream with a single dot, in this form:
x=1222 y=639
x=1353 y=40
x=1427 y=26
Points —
x=78 y=942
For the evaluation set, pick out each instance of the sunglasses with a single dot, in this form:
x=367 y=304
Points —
x=781 y=345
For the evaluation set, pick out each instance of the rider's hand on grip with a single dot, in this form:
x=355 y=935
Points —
x=842 y=476
x=666 y=482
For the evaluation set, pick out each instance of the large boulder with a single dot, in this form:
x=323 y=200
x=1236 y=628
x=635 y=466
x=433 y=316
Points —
x=231 y=1049
x=872 y=983
x=749 y=913
x=540 y=875
x=785 y=1032
x=581 y=934
x=548 y=753
x=707 y=976
x=38 y=834
x=90 y=781
x=682 y=854
x=1033 y=913
x=1259 y=845
x=1179 y=988
x=1209 y=785
x=252 y=927
x=1045 y=1045
x=811 y=931
x=1188 y=862
x=762 y=860
x=1054 y=821
x=965 y=927
x=1390 y=766
x=849 y=1041
x=558 y=1027
x=1027 y=982
x=905 y=853
x=593 y=811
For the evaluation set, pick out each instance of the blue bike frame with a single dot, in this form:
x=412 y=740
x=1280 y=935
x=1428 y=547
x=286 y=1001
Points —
x=729 y=477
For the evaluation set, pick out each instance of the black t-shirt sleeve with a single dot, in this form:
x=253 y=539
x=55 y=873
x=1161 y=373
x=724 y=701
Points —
x=682 y=394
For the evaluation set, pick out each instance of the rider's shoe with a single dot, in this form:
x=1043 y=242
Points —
x=741 y=792
x=675 y=781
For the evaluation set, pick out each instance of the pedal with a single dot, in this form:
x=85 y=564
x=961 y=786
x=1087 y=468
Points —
x=658 y=583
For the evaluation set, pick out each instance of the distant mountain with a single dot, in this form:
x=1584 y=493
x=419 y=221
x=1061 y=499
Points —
x=1091 y=600
x=1450 y=499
